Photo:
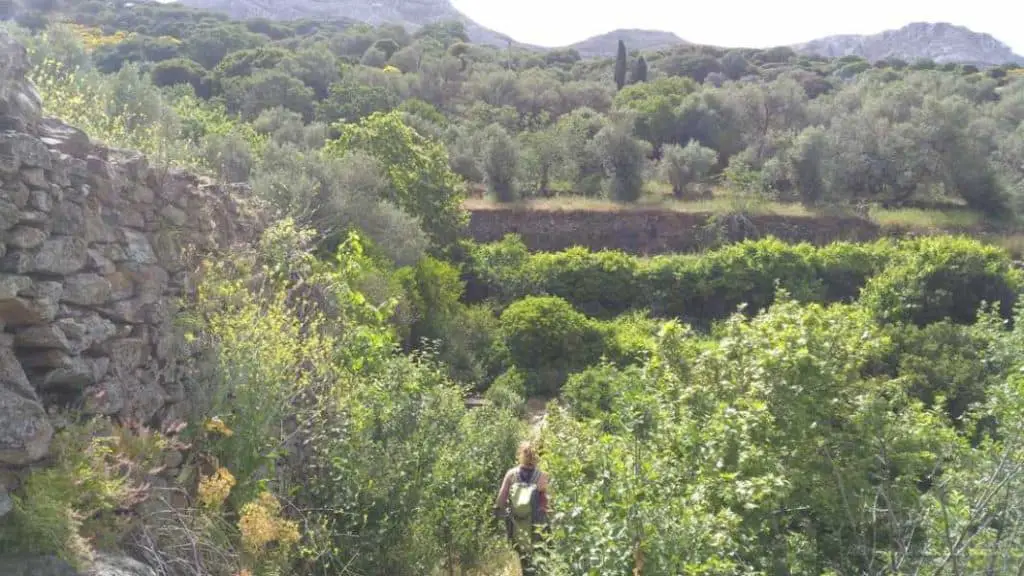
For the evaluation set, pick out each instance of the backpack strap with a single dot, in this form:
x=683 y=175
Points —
x=536 y=476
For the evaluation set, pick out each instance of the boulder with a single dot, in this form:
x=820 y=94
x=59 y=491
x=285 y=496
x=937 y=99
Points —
x=137 y=247
x=25 y=237
x=67 y=139
x=48 y=336
x=55 y=369
x=12 y=286
x=25 y=431
x=86 y=331
x=12 y=375
x=111 y=565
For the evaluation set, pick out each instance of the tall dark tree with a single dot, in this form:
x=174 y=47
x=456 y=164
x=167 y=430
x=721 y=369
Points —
x=620 y=66
x=639 y=72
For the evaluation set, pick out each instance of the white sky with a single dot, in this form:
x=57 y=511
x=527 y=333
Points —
x=739 y=23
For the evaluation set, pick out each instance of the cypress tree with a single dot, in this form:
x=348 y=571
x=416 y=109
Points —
x=620 y=66
x=639 y=73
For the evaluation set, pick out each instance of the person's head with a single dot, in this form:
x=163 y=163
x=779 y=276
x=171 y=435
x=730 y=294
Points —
x=527 y=454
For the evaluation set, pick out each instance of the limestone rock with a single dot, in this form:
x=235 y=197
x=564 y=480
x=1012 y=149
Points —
x=25 y=431
x=25 y=237
x=8 y=215
x=143 y=398
x=40 y=200
x=17 y=149
x=150 y=281
x=56 y=369
x=27 y=312
x=126 y=354
x=121 y=286
x=35 y=178
x=61 y=255
x=12 y=286
x=106 y=398
x=87 y=289
x=68 y=219
x=67 y=139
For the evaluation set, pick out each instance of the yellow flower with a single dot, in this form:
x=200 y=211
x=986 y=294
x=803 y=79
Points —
x=261 y=523
x=214 y=490
x=217 y=426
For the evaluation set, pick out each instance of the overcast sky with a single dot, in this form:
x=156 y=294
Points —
x=739 y=23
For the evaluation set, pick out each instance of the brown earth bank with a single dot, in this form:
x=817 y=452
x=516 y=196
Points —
x=655 y=231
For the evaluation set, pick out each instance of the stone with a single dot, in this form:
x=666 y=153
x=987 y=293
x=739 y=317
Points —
x=137 y=247
x=16 y=262
x=8 y=215
x=16 y=193
x=34 y=218
x=48 y=336
x=97 y=231
x=61 y=255
x=142 y=194
x=25 y=431
x=106 y=398
x=67 y=139
x=97 y=262
x=143 y=398
x=12 y=286
x=174 y=215
x=121 y=286
x=40 y=200
x=27 y=312
x=114 y=253
x=55 y=369
x=35 y=566
x=17 y=149
x=25 y=237
x=45 y=290
x=126 y=355
x=35 y=178
x=110 y=565
x=150 y=281
x=86 y=332
x=12 y=375
x=68 y=219
x=6 y=504
x=129 y=311
x=86 y=289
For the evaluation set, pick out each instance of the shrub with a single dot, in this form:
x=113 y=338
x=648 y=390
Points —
x=500 y=163
x=930 y=279
x=508 y=392
x=548 y=339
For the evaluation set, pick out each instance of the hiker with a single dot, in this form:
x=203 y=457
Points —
x=523 y=501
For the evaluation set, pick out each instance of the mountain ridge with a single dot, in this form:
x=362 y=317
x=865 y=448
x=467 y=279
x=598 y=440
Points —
x=941 y=42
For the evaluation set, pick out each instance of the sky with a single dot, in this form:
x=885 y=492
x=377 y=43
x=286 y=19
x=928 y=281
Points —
x=738 y=23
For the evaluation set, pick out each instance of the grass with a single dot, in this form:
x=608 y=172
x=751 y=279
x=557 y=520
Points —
x=926 y=219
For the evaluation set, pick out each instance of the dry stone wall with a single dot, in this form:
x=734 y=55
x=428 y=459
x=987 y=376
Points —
x=95 y=245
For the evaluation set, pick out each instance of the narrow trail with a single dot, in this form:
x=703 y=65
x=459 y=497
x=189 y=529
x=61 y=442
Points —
x=536 y=415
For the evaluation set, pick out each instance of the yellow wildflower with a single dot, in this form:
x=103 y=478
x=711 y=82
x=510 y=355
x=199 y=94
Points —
x=214 y=490
x=261 y=523
x=217 y=426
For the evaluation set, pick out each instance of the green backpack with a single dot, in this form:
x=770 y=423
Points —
x=524 y=506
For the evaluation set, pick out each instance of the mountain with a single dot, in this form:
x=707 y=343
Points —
x=411 y=14
x=644 y=40
x=941 y=42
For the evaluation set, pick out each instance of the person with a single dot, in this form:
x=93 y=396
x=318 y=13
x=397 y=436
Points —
x=523 y=501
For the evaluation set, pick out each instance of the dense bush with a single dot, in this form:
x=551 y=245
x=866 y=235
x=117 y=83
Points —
x=903 y=280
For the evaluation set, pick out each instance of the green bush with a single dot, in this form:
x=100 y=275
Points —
x=600 y=284
x=930 y=279
x=509 y=392
x=593 y=392
x=548 y=339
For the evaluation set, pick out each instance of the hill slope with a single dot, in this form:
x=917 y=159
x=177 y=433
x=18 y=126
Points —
x=409 y=13
x=941 y=42
x=607 y=44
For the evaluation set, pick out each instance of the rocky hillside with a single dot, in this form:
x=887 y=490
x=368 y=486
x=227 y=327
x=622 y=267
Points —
x=644 y=40
x=940 y=42
x=409 y=13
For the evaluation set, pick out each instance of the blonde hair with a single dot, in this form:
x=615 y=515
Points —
x=527 y=455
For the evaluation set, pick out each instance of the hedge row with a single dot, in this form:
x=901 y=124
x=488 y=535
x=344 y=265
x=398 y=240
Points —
x=917 y=280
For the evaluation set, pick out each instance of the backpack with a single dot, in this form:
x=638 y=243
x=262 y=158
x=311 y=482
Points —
x=524 y=498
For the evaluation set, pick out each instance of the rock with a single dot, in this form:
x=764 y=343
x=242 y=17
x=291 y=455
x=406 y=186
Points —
x=35 y=178
x=12 y=286
x=68 y=219
x=40 y=200
x=34 y=218
x=131 y=311
x=137 y=247
x=86 y=332
x=12 y=375
x=108 y=565
x=8 y=215
x=97 y=231
x=87 y=289
x=35 y=566
x=16 y=262
x=18 y=149
x=61 y=255
x=106 y=398
x=25 y=237
x=6 y=504
x=126 y=355
x=97 y=262
x=25 y=431
x=121 y=286
x=56 y=369
x=150 y=281
x=174 y=215
x=47 y=336
x=27 y=312
x=67 y=139
x=143 y=398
